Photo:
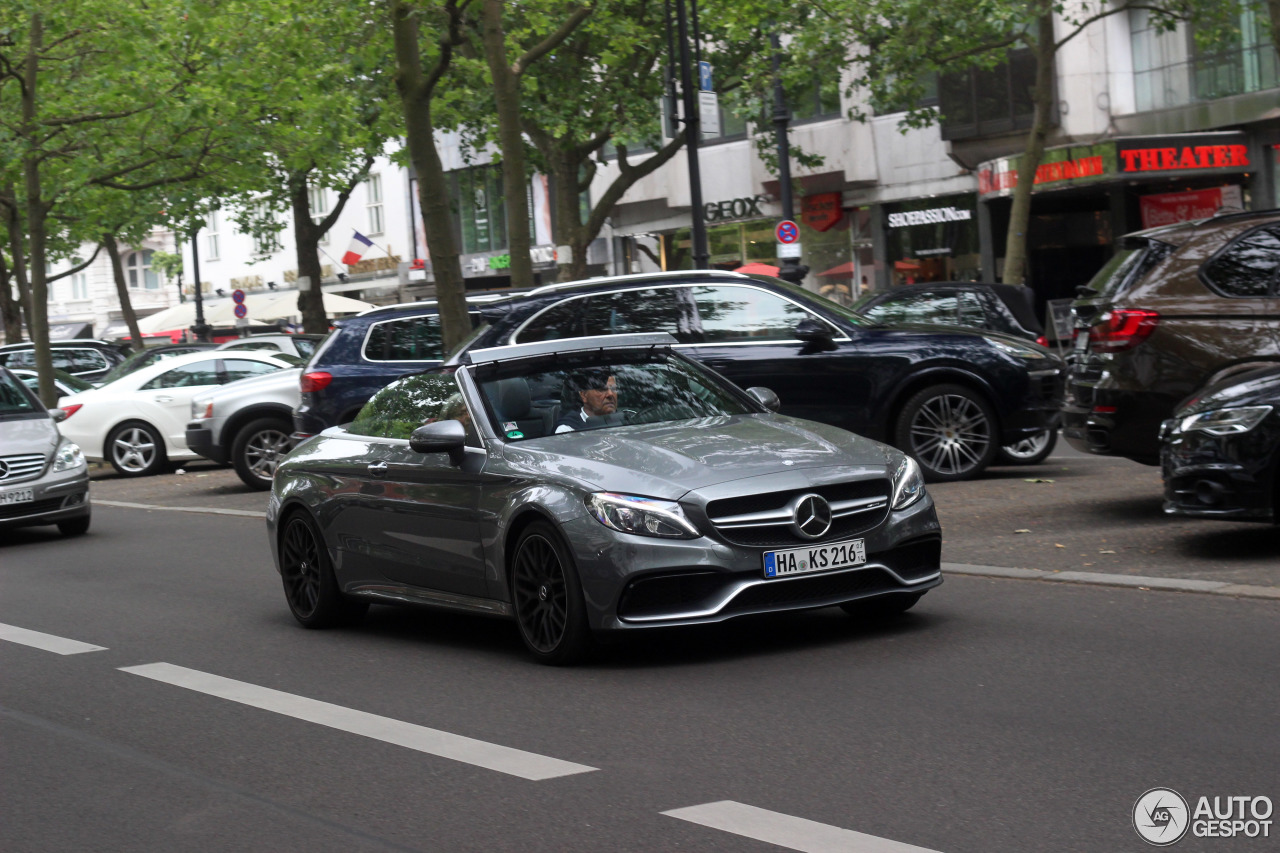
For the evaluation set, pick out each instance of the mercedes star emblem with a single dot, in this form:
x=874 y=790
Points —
x=812 y=517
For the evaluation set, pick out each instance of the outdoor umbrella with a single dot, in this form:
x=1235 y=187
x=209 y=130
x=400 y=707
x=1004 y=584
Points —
x=757 y=268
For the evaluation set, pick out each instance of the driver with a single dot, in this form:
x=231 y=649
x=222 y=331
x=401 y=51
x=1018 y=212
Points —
x=597 y=387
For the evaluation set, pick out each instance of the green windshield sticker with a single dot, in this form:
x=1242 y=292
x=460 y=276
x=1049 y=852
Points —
x=515 y=433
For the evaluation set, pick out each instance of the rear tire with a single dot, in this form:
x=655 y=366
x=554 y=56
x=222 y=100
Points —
x=258 y=449
x=547 y=597
x=1029 y=451
x=310 y=586
x=950 y=430
x=78 y=526
x=136 y=449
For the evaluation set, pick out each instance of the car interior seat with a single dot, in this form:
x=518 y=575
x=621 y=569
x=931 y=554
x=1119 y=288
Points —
x=513 y=403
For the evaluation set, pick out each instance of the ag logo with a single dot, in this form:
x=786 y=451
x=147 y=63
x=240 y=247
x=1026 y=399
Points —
x=1161 y=817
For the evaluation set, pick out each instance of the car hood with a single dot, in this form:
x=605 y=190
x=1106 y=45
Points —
x=668 y=460
x=1260 y=388
x=28 y=435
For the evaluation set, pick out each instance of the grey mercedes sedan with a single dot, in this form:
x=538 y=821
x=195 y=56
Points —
x=595 y=485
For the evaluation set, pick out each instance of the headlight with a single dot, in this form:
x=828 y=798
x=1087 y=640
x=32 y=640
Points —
x=201 y=410
x=1226 y=421
x=1014 y=350
x=908 y=484
x=642 y=516
x=68 y=457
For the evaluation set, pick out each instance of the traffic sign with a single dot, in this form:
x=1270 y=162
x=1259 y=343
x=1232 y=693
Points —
x=237 y=296
x=704 y=77
x=240 y=310
x=787 y=232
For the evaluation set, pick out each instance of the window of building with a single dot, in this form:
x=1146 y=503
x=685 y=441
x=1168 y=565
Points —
x=476 y=195
x=80 y=286
x=265 y=242
x=982 y=102
x=211 y=236
x=816 y=98
x=138 y=271
x=318 y=198
x=373 y=203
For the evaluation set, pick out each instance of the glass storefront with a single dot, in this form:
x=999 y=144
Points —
x=933 y=239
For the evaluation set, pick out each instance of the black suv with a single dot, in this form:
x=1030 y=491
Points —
x=1006 y=308
x=948 y=396
x=89 y=360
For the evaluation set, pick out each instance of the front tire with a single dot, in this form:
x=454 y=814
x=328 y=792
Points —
x=258 y=449
x=950 y=430
x=1029 y=451
x=310 y=587
x=136 y=449
x=78 y=526
x=547 y=597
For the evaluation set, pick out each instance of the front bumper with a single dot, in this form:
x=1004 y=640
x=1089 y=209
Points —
x=1232 y=478
x=200 y=439
x=56 y=497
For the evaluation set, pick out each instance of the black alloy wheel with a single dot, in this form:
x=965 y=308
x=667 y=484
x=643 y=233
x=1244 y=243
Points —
x=136 y=449
x=950 y=430
x=309 y=583
x=258 y=449
x=882 y=606
x=548 y=598
x=1029 y=451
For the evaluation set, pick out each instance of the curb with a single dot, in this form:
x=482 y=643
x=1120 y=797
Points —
x=245 y=513
x=1234 y=590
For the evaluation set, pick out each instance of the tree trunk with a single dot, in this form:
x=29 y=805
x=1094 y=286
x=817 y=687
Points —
x=1273 y=8
x=433 y=191
x=122 y=292
x=568 y=218
x=10 y=310
x=37 y=213
x=306 y=236
x=1015 y=251
x=506 y=99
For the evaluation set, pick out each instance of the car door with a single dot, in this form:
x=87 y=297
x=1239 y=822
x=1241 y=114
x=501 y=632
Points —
x=414 y=518
x=165 y=400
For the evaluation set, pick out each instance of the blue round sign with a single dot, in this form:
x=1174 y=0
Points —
x=237 y=296
x=787 y=231
x=241 y=311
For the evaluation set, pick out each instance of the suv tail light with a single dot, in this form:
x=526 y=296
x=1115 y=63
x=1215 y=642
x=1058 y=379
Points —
x=1122 y=329
x=1042 y=341
x=315 y=381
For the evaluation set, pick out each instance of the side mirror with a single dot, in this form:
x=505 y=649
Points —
x=813 y=331
x=765 y=397
x=440 y=437
x=58 y=415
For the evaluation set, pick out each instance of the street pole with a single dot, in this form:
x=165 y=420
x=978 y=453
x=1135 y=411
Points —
x=791 y=269
x=201 y=330
x=693 y=133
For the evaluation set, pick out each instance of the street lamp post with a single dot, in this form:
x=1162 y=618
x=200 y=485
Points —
x=201 y=329
x=693 y=133
x=791 y=269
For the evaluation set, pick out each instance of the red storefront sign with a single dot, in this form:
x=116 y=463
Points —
x=1185 y=157
x=821 y=211
x=1168 y=208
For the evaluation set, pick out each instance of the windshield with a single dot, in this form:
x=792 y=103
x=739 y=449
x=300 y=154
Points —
x=541 y=399
x=15 y=401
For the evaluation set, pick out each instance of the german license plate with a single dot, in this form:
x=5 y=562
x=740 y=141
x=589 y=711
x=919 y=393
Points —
x=1082 y=340
x=819 y=558
x=17 y=496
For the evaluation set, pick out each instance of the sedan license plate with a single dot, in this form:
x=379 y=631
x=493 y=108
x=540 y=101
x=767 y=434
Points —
x=18 y=496
x=819 y=558
x=1082 y=340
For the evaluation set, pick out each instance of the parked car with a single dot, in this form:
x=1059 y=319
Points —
x=138 y=422
x=366 y=352
x=83 y=358
x=301 y=345
x=248 y=424
x=63 y=381
x=1221 y=451
x=1179 y=308
x=1005 y=308
x=44 y=478
x=689 y=502
x=148 y=357
x=950 y=397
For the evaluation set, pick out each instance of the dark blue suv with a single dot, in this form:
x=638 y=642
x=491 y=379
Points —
x=949 y=397
x=365 y=353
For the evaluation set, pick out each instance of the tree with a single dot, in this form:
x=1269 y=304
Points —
x=898 y=44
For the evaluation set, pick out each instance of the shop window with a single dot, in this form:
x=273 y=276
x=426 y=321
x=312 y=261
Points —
x=476 y=196
x=138 y=271
x=411 y=339
x=982 y=102
x=1248 y=266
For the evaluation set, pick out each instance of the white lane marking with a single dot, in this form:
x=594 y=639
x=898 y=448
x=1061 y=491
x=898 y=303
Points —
x=794 y=833
x=504 y=759
x=47 y=642
x=207 y=510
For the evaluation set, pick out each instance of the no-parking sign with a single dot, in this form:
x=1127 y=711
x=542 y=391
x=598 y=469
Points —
x=787 y=232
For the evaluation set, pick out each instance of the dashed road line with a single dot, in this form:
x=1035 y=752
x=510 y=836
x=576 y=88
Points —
x=504 y=759
x=46 y=642
x=794 y=833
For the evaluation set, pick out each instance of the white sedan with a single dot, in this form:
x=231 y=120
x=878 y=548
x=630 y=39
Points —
x=139 y=422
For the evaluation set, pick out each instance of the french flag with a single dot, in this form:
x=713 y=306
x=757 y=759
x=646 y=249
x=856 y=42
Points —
x=359 y=245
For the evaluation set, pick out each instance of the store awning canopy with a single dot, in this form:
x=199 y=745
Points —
x=905 y=265
x=757 y=268
x=263 y=309
x=845 y=269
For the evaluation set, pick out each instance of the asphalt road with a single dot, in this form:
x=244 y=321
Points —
x=1000 y=715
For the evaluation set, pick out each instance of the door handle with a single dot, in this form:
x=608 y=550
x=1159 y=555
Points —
x=164 y=398
x=377 y=469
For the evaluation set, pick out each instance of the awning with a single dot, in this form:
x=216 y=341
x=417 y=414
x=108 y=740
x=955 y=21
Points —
x=905 y=265
x=845 y=269
x=263 y=309
x=69 y=331
x=757 y=268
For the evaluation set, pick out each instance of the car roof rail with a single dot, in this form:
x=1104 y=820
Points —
x=641 y=277
x=568 y=345
x=480 y=298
